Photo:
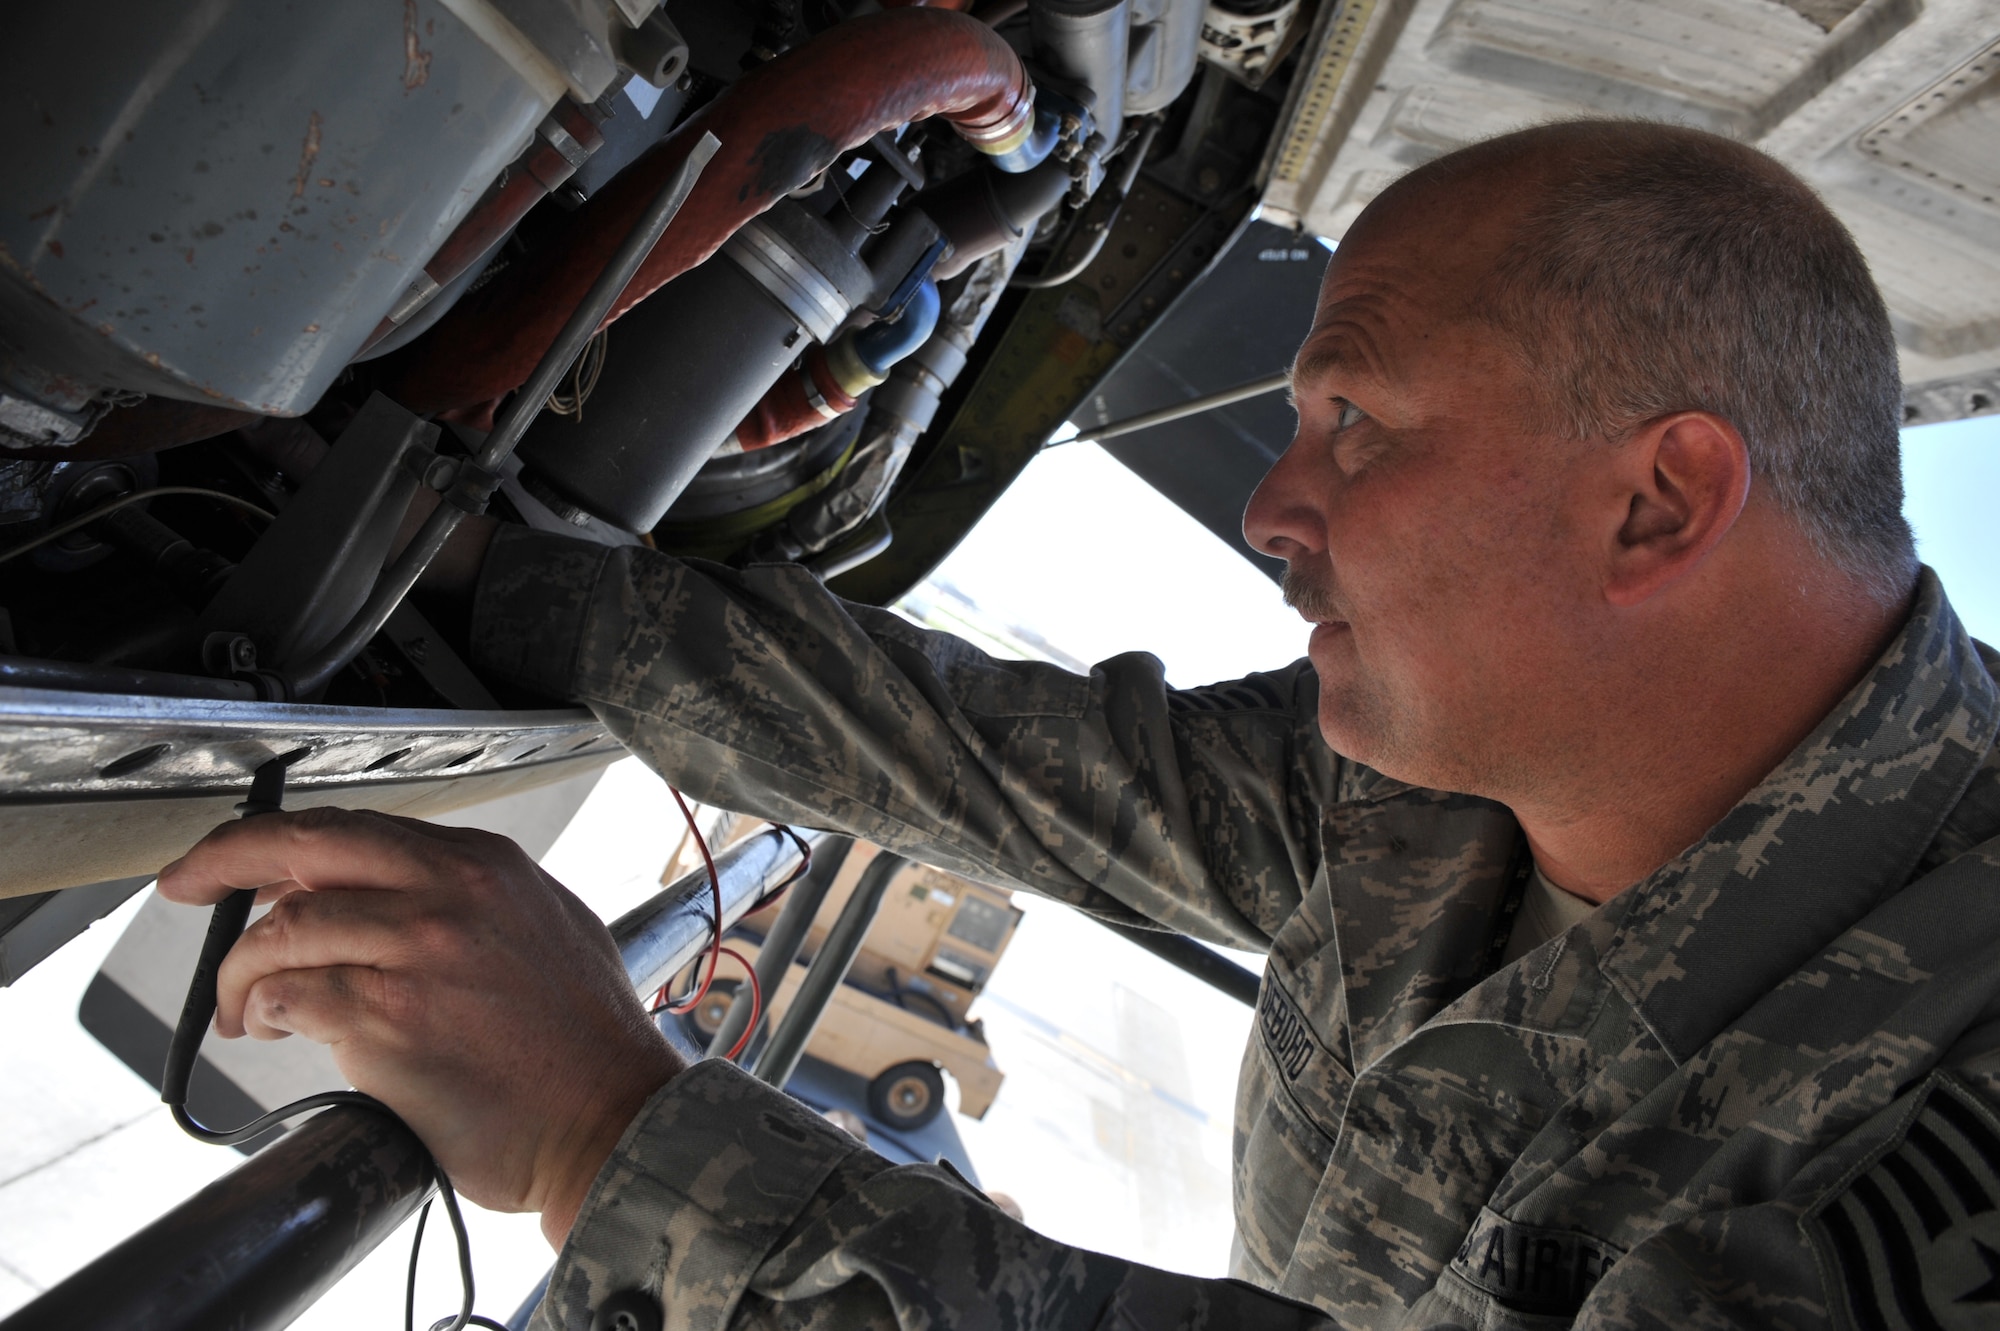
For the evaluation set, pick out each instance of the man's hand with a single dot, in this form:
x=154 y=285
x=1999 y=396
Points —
x=453 y=980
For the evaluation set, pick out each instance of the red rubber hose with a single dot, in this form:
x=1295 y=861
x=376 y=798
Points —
x=780 y=125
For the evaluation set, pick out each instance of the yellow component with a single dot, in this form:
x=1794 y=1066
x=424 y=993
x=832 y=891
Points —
x=1023 y=127
x=718 y=537
x=853 y=376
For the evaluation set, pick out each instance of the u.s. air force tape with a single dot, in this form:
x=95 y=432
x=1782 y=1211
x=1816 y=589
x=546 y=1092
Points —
x=1529 y=1268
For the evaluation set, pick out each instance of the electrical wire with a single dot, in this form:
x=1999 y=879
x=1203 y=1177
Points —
x=716 y=950
x=756 y=1004
x=78 y=523
x=582 y=377
x=225 y=926
x=715 y=887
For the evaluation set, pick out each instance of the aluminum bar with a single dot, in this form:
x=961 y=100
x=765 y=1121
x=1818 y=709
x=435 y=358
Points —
x=1181 y=410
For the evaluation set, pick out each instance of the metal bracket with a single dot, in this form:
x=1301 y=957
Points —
x=316 y=565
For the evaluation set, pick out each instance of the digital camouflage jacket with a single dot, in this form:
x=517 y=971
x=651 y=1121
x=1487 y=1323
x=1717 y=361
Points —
x=1756 y=1089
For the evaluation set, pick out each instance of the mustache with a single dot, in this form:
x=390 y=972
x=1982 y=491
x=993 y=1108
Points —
x=1310 y=592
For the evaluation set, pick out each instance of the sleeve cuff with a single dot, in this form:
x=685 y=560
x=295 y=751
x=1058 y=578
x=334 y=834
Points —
x=532 y=606
x=707 y=1179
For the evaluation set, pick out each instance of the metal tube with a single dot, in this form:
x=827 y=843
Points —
x=1121 y=189
x=659 y=938
x=781 y=945
x=1087 y=41
x=257 y=1247
x=788 y=1042
x=313 y=674
x=28 y=673
x=1205 y=964
x=1192 y=407
x=254 y=1249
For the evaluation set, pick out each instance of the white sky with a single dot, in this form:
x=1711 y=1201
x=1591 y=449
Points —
x=1098 y=562
x=1951 y=484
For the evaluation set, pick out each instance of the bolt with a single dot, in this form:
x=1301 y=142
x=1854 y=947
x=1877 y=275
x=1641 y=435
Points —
x=242 y=654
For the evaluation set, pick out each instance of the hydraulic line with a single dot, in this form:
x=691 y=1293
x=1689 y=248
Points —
x=830 y=380
x=1128 y=175
x=784 y=122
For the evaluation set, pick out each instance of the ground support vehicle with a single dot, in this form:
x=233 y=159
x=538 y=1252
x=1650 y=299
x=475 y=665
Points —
x=902 y=1014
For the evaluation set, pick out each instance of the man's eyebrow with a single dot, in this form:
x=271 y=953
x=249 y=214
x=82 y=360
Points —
x=1316 y=360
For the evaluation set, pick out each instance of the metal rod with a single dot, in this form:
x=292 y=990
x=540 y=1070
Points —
x=30 y=673
x=830 y=964
x=781 y=945
x=1192 y=407
x=658 y=939
x=254 y=1249
x=257 y=1247
x=1204 y=963
x=313 y=673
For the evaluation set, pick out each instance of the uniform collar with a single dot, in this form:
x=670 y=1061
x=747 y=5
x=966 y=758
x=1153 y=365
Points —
x=1837 y=827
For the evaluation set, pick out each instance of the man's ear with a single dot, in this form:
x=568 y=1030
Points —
x=1686 y=478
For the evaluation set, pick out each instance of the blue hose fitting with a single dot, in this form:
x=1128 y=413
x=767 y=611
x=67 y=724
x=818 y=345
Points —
x=863 y=359
x=1033 y=150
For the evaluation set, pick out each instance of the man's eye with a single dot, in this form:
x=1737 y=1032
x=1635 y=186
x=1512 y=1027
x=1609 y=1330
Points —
x=1348 y=414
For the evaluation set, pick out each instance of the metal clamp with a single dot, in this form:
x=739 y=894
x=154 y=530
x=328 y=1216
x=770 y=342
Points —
x=769 y=260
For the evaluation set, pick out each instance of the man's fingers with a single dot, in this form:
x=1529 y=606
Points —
x=312 y=930
x=332 y=1004
x=314 y=848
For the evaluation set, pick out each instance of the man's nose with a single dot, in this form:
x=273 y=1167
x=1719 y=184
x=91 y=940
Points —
x=1283 y=518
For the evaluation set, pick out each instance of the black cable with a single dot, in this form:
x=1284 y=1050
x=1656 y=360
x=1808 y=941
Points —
x=225 y=926
x=410 y=1286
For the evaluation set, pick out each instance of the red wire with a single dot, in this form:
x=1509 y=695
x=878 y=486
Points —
x=715 y=886
x=756 y=1005
x=716 y=949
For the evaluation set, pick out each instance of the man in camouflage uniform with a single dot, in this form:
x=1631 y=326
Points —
x=1595 y=508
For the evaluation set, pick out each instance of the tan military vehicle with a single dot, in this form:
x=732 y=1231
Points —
x=902 y=1018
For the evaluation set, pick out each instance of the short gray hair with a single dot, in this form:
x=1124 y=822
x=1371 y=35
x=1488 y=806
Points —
x=1665 y=269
